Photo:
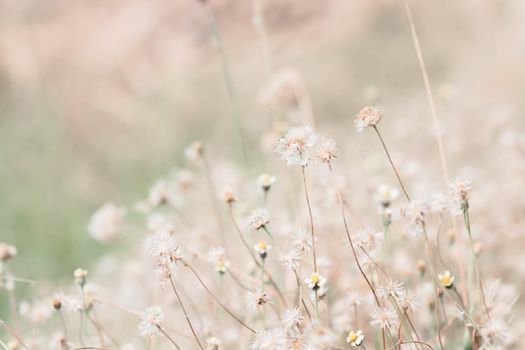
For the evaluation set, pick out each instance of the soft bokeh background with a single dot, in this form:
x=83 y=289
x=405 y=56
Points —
x=98 y=99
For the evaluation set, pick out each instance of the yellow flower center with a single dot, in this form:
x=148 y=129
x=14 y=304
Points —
x=352 y=336
x=262 y=245
x=445 y=280
x=314 y=278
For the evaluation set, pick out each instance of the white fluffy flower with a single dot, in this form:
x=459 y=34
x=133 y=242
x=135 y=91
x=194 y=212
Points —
x=368 y=116
x=383 y=317
x=326 y=150
x=150 y=321
x=415 y=213
x=255 y=300
x=296 y=145
x=291 y=318
x=258 y=218
x=106 y=224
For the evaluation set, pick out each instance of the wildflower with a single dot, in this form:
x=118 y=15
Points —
x=272 y=339
x=383 y=317
x=160 y=194
x=262 y=249
x=195 y=151
x=221 y=266
x=107 y=222
x=355 y=338
x=257 y=299
x=213 y=343
x=150 y=321
x=415 y=213
x=291 y=318
x=407 y=300
x=296 y=145
x=495 y=332
x=7 y=252
x=326 y=150
x=259 y=218
x=446 y=279
x=391 y=289
x=385 y=195
x=228 y=195
x=59 y=341
x=315 y=281
x=80 y=277
x=215 y=254
x=459 y=189
x=163 y=247
x=368 y=116
x=302 y=240
x=291 y=260
x=265 y=181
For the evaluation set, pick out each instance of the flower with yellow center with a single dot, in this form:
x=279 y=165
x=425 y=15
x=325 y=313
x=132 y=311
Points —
x=221 y=266
x=446 y=279
x=315 y=281
x=262 y=248
x=355 y=338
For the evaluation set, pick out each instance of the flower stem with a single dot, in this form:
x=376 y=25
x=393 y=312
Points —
x=216 y=299
x=185 y=313
x=310 y=216
x=391 y=162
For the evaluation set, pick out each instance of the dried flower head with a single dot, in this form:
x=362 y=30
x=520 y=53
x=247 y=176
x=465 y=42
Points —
x=368 y=116
x=265 y=181
x=150 y=321
x=80 y=277
x=326 y=150
x=296 y=145
x=257 y=299
x=7 y=252
x=383 y=317
x=259 y=218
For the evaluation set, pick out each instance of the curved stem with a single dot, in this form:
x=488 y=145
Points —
x=217 y=299
x=343 y=215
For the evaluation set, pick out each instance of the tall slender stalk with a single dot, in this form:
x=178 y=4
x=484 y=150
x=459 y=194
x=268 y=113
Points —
x=185 y=313
x=232 y=97
x=391 y=162
x=343 y=215
x=437 y=132
x=215 y=298
x=310 y=217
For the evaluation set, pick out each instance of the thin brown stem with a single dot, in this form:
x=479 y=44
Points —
x=343 y=215
x=252 y=255
x=391 y=163
x=310 y=216
x=168 y=336
x=185 y=313
x=217 y=299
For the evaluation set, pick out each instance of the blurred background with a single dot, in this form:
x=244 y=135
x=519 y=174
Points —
x=99 y=98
